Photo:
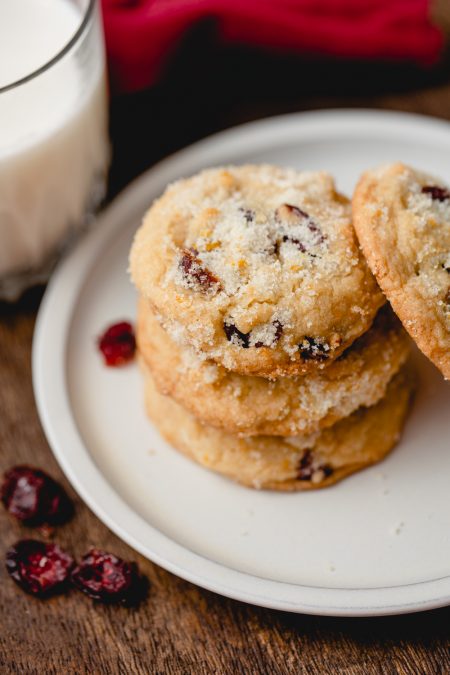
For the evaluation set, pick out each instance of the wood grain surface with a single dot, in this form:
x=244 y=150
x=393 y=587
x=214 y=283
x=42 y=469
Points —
x=181 y=628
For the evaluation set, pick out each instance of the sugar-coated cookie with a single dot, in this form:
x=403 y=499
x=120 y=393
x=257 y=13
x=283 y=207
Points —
x=402 y=218
x=293 y=463
x=256 y=267
x=252 y=405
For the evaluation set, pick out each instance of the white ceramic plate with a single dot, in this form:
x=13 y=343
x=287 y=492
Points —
x=377 y=543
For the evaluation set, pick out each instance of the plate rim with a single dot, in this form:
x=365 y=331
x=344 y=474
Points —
x=53 y=403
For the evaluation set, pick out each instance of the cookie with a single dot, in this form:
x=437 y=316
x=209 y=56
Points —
x=402 y=218
x=293 y=463
x=251 y=405
x=257 y=268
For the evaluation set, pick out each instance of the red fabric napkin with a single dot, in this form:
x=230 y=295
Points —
x=140 y=34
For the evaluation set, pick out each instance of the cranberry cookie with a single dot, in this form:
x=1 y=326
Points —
x=251 y=405
x=293 y=463
x=256 y=267
x=402 y=218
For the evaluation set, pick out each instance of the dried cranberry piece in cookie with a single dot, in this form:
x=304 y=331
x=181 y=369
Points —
x=296 y=242
x=292 y=215
x=196 y=274
x=310 y=469
x=107 y=578
x=249 y=214
x=276 y=336
x=118 y=344
x=33 y=497
x=236 y=336
x=241 y=339
x=39 y=568
x=273 y=248
x=312 y=349
x=437 y=193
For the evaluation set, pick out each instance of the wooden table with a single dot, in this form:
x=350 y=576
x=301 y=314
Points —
x=182 y=628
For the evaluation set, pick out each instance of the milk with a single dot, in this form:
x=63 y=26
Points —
x=53 y=129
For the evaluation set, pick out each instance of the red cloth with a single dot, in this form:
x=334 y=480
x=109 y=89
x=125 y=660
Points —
x=141 y=33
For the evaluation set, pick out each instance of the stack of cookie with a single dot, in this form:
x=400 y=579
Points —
x=267 y=352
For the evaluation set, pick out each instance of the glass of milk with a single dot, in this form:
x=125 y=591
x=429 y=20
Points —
x=54 y=148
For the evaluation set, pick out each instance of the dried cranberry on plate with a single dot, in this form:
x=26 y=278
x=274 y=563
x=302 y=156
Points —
x=118 y=344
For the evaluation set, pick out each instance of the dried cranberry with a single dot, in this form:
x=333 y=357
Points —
x=313 y=349
x=278 y=332
x=196 y=273
x=243 y=339
x=308 y=466
x=103 y=576
x=273 y=248
x=296 y=242
x=39 y=568
x=249 y=214
x=278 y=329
x=305 y=469
x=231 y=331
x=118 y=344
x=34 y=497
x=440 y=194
x=292 y=215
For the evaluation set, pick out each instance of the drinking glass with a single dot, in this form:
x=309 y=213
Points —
x=54 y=147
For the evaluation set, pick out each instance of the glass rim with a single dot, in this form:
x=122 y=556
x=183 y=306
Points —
x=58 y=56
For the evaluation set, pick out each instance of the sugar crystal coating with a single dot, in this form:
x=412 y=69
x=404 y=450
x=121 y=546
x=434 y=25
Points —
x=251 y=405
x=248 y=263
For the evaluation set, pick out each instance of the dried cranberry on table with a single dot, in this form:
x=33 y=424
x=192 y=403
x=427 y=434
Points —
x=118 y=344
x=109 y=579
x=33 y=497
x=39 y=568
